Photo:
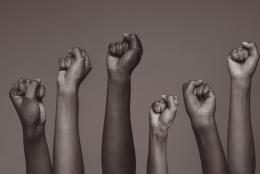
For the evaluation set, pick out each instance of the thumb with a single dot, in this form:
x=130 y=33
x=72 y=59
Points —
x=252 y=48
x=42 y=112
x=192 y=85
x=76 y=53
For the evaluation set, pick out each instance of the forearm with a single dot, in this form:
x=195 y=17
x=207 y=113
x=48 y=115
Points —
x=67 y=148
x=118 y=155
x=210 y=148
x=37 y=155
x=157 y=154
x=241 y=151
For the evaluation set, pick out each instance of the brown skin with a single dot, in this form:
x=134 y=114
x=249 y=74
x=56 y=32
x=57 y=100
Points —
x=118 y=153
x=242 y=63
x=200 y=103
x=161 y=116
x=26 y=96
x=73 y=69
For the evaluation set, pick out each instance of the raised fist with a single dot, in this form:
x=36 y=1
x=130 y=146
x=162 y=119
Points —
x=163 y=113
x=124 y=56
x=242 y=62
x=73 y=69
x=200 y=101
x=26 y=96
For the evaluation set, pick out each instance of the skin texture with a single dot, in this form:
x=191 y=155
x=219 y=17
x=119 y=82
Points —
x=118 y=153
x=67 y=149
x=200 y=103
x=242 y=63
x=161 y=116
x=26 y=96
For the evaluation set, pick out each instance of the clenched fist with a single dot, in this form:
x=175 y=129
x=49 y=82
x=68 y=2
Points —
x=73 y=69
x=26 y=96
x=124 y=56
x=163 y=113
x=200 y=101
x=242 y=62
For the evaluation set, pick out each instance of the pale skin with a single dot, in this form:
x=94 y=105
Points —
x=161 y=116
x=242 y=63
x=27 y=98
x=200 y=103
x=118 y=153
x=73 y=69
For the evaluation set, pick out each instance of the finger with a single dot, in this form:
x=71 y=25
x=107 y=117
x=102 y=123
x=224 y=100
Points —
x=22 y=86
x=87 y=59
x=205 y=91
x=163 y=105
x=192 y=85
x=252 y=48
x=156 y=107
x=43 y=113
x=68 y=61
x=246 y=53
x=240 y=54
x=172 y=103
x=125 y=46
x=14 y=90
x=83 y=53
x=234 y=54
x=62 y=64
x=199 y=91
x=76 y=53
x=119 y=49
x=133 y=41
x=41 y=92
x=32 y=89
x=111 y=49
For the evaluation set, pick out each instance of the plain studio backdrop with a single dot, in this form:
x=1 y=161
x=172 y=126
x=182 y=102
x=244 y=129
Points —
x=182 y=40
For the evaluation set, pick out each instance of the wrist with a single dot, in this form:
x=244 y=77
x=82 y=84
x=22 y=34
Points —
x=158 y=135
x=66 y=88
x=34 y=133
x=118 y=77
x=202 y=123
x=241 y=82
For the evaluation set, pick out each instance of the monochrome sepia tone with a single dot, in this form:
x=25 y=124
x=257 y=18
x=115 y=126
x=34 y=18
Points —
x=129 y=87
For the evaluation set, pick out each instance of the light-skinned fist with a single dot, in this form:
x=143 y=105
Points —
x=73 y=69
x=242 y=61
x=163 y=113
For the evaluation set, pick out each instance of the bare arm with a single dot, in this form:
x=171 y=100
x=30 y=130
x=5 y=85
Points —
x=200 y=104
x=67 y=148
x=211 y=151
x=241 y=151
x=37 y=155
x=162 y=115
x=118 y=153
x=27 y=96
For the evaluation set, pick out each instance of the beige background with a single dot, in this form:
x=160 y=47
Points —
x=182 y=40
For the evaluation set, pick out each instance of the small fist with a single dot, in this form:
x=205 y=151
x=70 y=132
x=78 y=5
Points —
x=124 y=56
x=73 y=68
x=163 y=113
x=199 y=99
x=242 y=62
x=26 y=96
